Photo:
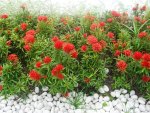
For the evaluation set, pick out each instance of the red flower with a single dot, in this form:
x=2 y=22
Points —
x=142 y=34
x=146 y=78
x=34 y=75
x=42 y=18
x=1 y=87
x=115 y=14
x=4 y=16
x=145 y=64
x=117 y=53
x=127 y=52
x=67 y=47
x=56 y=71
x=58 y=44
x=66 y=94
x=121 y=65
x=55 y=38
x=83 y=48
x=59 y=67
x=137 y=55
x=101 y=24
x=13 y=57
x=110 y=35
x=91 y=39
x=137 y=18
x=96 y=47
x=77 y=28
x=85 y=35
x=109 y=20
x=103 y=43
x=8 y=43
x=146 y=57
x=31 y=32
x=29 y=39
x=87 y=80
x=143 y=8
x=93 y=26
x=27 y=47
x=1 y=68
x=38 y=64
x=74 y=54
x=47 y=60
x=60 y=76
x=23 y=26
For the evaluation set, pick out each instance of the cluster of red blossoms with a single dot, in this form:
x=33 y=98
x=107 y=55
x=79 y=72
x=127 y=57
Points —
x=4 y=16
x=67 y=47
x=142 y=34
x=121 y=65
x=34 y=75
x=42 y=18
x=96 y=46
x=97 y=25
x=1 y=68
x=13 y=58
x=145 y=78
x=56 y=71
x=29 y=39
x=23 y=26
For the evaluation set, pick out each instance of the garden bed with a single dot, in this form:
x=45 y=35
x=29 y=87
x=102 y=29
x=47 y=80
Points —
x=79 y=54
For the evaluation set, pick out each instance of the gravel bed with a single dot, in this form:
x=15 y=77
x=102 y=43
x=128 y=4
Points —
x=117 y=101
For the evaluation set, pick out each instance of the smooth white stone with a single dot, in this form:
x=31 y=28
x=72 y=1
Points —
x=136 y=110
x=46 y=111
x=106 y=98
x=88 y=99
x=106 y=70
x=49 y=99
x=123 y=99
x=63 y=99
x=91 y=111
x=44 y=94
x=123 y=91
x=4 y=102
x=21 y=111
x=40 y=98
x=148 y=108
x=45 y=88
x=141 y=100
x=30 y=96
x=96 y=96
x=17 y=106
x=113 y=94
x=35 y=97
x=136 y=104
x=7 y=108
x=130 y=104
x=40 y=105
x=10 y=111
x=119 y=106
x=106 y=89
x=117 y=93
x=98 y=105
x=101 y=90
x=58 y=95
x=132 y=93
x=100 y=99
x=102 y=111
x=95 y=100
x=142 y=108
x=114 y=103
x=37 y=111
x=134 y=97
x=127 y=96
x=37 y=90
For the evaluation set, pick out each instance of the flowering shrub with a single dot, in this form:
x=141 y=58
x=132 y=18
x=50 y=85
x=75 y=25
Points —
x=71 y=53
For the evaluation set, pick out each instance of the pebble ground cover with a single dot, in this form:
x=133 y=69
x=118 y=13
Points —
x=60 y=64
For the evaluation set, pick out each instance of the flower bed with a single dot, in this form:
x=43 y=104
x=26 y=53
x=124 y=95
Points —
x=75 y=53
